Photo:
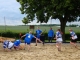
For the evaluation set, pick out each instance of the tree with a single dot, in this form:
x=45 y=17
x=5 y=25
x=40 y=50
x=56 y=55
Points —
x=25 y=20
x=64 y=10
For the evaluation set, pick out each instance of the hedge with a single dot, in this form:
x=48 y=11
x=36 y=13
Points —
x=17 y=35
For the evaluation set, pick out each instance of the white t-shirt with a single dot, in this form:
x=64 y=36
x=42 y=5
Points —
x=7 y=44
x=10 y=44
x=74 y=36
x=58 y=36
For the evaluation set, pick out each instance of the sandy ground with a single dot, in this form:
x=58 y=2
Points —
x=40 y=52
x=6 y=38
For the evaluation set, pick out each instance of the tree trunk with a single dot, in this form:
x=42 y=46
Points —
x=62 y=27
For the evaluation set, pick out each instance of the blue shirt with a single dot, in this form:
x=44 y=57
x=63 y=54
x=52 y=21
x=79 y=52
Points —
x=38 y=32
x=72 y=33
x=29 y=37
x=17 y=43
x=50 y=33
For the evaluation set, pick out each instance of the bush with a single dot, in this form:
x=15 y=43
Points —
x=17 y=35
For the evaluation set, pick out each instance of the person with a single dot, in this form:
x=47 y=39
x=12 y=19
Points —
x=7 y=45
x=50 y=35
x=73 y=38
x=17 y=44
x=58 y=39
x=28 y=38
x=38 y=33
x=20 y=34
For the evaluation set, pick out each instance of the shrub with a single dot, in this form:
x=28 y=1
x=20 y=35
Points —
x=17 y=35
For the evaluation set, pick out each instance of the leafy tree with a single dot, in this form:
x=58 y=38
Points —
x=64 y=10
x=25 y=20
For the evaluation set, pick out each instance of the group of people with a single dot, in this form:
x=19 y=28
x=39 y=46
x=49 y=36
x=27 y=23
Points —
x=59 y=39
x=8 y=45
x=29 y=36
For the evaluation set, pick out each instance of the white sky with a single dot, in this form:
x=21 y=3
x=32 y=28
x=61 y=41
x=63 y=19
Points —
x=10 y=10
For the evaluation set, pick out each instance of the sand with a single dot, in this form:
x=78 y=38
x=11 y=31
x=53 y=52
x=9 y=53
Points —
x=6 y=38
x=40 y=52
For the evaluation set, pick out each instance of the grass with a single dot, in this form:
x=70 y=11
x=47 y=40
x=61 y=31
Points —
x=20 y=29
x=24 y=29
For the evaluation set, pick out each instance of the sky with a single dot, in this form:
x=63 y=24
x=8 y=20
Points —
x=11 y=15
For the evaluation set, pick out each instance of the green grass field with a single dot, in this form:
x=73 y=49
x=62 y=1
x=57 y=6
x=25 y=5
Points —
x=21 y=29
x=24 y=29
